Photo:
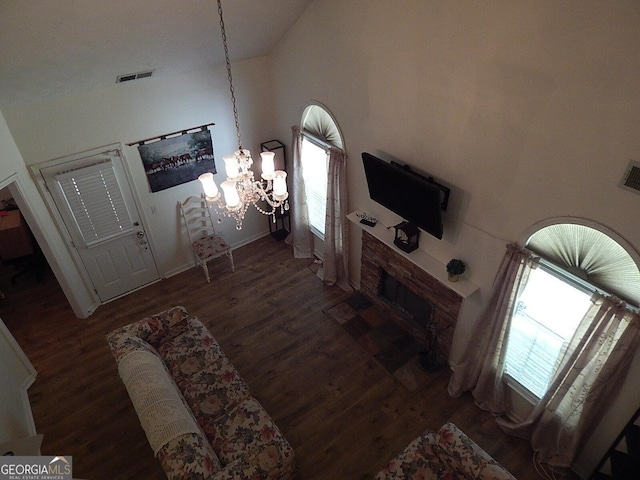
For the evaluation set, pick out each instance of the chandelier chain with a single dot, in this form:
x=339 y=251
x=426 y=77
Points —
x=228 y=63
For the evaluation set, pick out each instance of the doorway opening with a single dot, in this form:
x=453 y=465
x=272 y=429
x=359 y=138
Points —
x=23 y=266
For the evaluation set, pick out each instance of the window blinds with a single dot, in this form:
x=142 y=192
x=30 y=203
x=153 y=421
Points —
x=95 y=201
x=314 y=172
x=591 y=254
x=319 y=123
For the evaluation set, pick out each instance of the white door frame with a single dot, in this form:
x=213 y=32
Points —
x=57 y=218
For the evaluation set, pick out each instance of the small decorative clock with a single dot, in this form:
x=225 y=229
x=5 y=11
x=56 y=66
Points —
x=406 y=238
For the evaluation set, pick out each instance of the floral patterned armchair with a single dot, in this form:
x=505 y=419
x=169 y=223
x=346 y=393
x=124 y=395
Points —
x=448 y=454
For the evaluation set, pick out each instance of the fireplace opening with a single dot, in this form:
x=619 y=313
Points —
x=417 y=312
x=413 y=308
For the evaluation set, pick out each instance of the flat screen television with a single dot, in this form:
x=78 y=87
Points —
x=417 y=199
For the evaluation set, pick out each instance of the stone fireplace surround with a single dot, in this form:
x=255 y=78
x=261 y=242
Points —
x=379 y=255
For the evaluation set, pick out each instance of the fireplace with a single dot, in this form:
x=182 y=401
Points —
x=415 y=309
x=415 y=300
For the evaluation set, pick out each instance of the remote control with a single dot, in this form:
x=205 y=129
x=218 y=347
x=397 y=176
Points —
x=367 y=220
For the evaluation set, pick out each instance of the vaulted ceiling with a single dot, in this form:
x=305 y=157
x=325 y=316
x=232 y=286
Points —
x=51 y=48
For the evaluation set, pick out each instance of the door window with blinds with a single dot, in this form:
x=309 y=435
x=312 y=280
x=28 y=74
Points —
x=94 y=206
x=95 y=202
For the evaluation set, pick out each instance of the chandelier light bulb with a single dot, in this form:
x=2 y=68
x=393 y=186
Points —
x=231 y=196
x=209 y=185
x=231 y=166
x=268 y=165
x=280 y=185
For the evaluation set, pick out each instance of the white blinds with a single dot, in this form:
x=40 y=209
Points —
x=314 y=172
x=95 y=201
x=582 y=249
x=319 y=123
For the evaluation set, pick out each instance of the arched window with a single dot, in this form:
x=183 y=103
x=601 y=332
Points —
x=578 y=259
x=591 y=252
x=319 y=132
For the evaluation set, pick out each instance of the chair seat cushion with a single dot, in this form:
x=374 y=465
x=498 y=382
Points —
x=191 y=350
x=210 y=246
x=246 y=430
x=188 y=456
x=210 y=394
x=207 y=379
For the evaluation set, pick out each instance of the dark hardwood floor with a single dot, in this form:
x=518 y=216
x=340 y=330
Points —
x=343 y=414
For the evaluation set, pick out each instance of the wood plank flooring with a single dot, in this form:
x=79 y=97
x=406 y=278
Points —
x=343 y=414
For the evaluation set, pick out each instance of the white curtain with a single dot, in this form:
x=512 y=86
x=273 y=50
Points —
x=300 y=236
x=335 y=263
x=335 y=269
x=481 y=367
x=588 y=375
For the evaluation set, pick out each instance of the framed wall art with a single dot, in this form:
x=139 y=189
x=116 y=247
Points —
x=173 y=160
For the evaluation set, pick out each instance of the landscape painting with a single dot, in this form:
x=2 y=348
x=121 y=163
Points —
x=176 y=160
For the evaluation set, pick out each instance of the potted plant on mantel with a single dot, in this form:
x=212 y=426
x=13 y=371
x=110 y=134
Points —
x=455 y=268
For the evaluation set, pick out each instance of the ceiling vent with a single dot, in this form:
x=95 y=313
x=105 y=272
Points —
x=631 y=178
x=134 y=76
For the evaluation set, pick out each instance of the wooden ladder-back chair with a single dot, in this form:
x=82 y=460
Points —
x=205 y=242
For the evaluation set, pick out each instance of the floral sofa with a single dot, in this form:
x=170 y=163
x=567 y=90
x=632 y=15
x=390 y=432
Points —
x=448 y=454
x=197 y=412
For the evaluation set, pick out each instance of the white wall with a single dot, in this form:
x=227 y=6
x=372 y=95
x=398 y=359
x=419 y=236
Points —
x=528 y=110
x=16 y=376
x=146 y=108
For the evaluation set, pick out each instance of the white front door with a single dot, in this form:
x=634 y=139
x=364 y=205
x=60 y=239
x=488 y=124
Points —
x=96 y=205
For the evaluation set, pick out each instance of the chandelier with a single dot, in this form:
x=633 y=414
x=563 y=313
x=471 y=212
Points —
x=241 y=190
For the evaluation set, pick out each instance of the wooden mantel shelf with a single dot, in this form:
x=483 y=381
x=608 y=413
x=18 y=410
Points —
x=419 y=258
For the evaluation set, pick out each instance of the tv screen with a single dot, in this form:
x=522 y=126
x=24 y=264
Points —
x=414 y=197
